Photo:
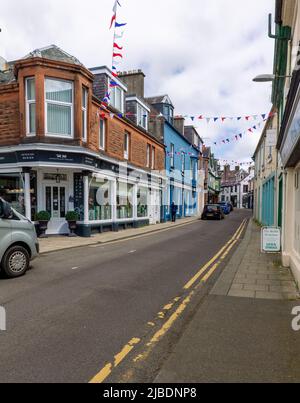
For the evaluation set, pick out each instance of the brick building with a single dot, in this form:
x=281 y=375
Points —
x=59 y=151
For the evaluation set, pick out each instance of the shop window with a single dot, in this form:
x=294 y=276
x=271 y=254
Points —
x=12 y=191
x=30 y=107
x=124 y=200
x=142 y=202
x=59 y=107
x=100 y=200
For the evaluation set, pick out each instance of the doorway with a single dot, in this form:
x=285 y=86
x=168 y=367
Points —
x=55 y=201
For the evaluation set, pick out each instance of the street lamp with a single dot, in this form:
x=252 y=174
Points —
x=265 y=78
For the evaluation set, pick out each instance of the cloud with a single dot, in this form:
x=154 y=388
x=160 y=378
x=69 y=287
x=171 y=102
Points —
x=204 y=53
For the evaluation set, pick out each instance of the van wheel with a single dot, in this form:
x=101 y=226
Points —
x=15 y=262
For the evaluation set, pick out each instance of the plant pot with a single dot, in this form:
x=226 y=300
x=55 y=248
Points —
x=43 y=225
x=72 y=228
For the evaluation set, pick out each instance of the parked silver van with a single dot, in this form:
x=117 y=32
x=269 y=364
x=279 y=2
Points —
x=18 y=241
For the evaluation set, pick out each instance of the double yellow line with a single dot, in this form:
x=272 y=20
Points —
x=211 y=266
x=225 y=250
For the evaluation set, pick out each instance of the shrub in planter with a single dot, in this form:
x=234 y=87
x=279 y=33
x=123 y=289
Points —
x=43 y=217
x=72 y=217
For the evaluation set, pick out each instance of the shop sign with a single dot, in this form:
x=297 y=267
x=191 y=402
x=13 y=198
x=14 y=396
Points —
x=293 y=136
x=271 y=240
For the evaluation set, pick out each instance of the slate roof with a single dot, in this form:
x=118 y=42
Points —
x=160 y=99
x=53 y=52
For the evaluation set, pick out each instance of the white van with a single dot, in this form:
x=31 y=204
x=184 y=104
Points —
x=18 y=241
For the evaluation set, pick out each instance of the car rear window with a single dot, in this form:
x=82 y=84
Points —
x=212 y=209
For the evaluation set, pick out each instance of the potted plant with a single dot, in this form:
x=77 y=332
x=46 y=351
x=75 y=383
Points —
x=72 y=217
x=43 y=217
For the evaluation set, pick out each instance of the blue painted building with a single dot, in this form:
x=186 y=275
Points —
x=182 y=159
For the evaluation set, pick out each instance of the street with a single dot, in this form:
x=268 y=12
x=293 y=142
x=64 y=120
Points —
x=75 y=310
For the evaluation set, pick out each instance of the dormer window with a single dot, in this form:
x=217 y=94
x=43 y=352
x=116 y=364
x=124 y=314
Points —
x=142 y=117
x=117 y=98
x=30 y=107
x=59 y=107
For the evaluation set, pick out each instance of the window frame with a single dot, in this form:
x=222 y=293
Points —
x=68 y=136
x=84 y=111
x=113 y=98
x=148 y=156
x=142 y=116
x=172 y=160
x=127 y=151
x=28 y=103
x=102 y=121
x=153 y=157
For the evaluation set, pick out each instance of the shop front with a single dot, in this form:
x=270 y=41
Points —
x=105 y=194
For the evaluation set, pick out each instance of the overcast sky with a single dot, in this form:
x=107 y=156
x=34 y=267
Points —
x=203 y=53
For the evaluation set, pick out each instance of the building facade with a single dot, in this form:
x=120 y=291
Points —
x=266 y=175
x=234 y=187
x=60 y=150
x=212 y=179
x=286 y=97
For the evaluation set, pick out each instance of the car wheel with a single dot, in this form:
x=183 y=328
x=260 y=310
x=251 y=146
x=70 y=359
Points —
x=15 y=262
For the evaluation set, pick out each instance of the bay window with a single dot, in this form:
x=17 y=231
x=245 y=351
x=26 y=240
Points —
x=30 y=107
x=84 y=113
x=59 y=107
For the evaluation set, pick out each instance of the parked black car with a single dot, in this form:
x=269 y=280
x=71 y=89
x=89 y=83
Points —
x=213 y=211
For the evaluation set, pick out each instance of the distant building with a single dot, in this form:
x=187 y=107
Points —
x=234 y=186
x=212 y=181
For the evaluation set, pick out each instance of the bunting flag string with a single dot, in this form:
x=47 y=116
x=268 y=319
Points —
x=239 y=136
x=116 y=52
x=223 y=119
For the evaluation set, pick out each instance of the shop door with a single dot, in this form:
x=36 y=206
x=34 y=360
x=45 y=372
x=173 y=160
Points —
x=154 y=213
x=56 y=206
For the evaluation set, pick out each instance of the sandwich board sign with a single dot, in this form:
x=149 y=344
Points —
x=271 y=240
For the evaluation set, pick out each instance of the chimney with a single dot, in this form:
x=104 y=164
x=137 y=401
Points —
x=134 y=81
x=179 y=124
x=3 y=64
x=226 y=172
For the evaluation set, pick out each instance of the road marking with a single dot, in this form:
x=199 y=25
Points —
x=107 y=370
x=75 y=268
x=132 y=251
x=190 y=283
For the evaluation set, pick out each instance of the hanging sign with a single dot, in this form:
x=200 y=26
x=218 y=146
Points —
x=271 y=240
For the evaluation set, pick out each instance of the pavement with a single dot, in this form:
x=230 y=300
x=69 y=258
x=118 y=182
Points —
x=83 y=309
x=56 y=243
x=242 y=331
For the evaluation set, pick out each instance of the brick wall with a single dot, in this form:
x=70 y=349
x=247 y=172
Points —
x=9 y=118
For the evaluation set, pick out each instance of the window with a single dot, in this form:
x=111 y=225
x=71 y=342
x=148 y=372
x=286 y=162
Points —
x=84 y=113
x=126 y=145
x=102 y=134
x=172 y=156
x=245 y=189
x=142 y=117
x=124 y=200
x=59 y=108
x=30 y=107
x=142 y=202
x=117 y=98
x=148 y=155
x=183 y=163
x=153 y=158
x=100 y=204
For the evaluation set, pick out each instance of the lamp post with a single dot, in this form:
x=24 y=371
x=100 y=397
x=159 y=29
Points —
x=265 y=78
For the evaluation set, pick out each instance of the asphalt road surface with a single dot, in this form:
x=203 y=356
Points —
x=78 y=310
